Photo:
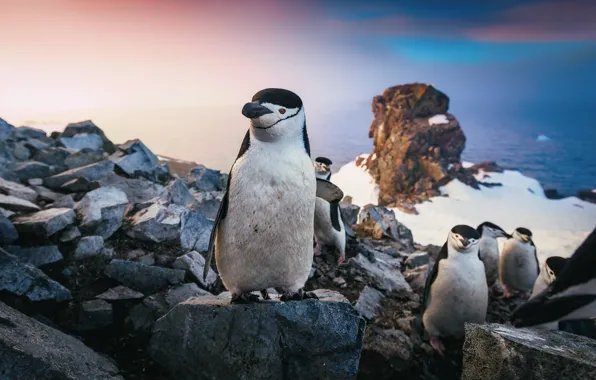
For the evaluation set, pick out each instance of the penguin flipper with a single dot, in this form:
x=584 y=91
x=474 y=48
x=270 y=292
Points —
x=328 y=191
x=432 y=276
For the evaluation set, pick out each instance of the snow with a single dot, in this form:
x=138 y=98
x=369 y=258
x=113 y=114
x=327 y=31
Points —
x=438 y=119
x=559 y=226
x=163 y=158
x=542 y=138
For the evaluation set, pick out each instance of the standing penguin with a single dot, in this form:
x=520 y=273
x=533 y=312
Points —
x=329 y=228
x=262 y=236
x=455 y=290
x=551 y=268
x=571 y=296
x=489 y=250
x=519 y=266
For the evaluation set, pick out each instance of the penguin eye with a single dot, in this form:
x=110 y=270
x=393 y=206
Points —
x=282 y=111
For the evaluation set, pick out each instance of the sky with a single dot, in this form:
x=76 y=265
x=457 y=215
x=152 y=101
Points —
x=63 y=55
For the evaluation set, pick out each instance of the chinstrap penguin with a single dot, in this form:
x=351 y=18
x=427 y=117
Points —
x=518 y=267
x=571 y=296
x=262 y=235
x=489 y=250
x=549 y=271
x=455 y=291
x=329 y=227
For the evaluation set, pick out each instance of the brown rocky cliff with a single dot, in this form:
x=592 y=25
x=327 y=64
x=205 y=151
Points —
x=411 y=156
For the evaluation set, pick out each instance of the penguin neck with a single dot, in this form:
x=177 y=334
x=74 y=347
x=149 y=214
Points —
x=467 y=255
x=288 y=138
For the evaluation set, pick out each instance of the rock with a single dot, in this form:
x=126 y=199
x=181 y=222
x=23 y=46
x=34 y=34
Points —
x=34 y=351
x=148 y=259
x=37 y=256
x=194 y=264
x=17 y=190
x=5 y=130
x=136 y=160
x=4 y=172
x=178 y=193
x=142 y=317
x=80 y=185
x=208 y=208
x=45 y=194
x=23 y=279
x=6 y=212
x=383 y=275
x=120 y=293
x=417 y=259
x=95 y=314
x=143 y=278
x=35 y=181
x=44 y=223
x=297 y=340
x=157 y=223
x=88 y=246
x=553 y=194
x=34 y=133
x=378 y=222
x=494 y=352
x=137 y=190
x=387 y=354
x=31 y=169
x=88 y=127
x=101 y=211
x=65 y=201
x=204 y=179
x=82 y=141
x=52 y=156
x=17 y=204
x=183 y=292
x=70 y=234
x=587 y=195
x=8 y=233
x=487 y=167
x=91 y=173
x=195 y=232
x=369 y=302
x=83 y=158
x=349 y=213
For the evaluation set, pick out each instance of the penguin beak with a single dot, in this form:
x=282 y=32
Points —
x=465 y=242
x=254 y=110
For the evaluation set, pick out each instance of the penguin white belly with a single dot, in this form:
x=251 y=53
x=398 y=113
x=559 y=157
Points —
x=489 y=254
x=324 y=231
x=265 y=240
x=459 y=294
x=518 y=268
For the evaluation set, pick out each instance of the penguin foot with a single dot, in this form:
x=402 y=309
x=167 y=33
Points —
x=298 y=296
x=265 y=294
x=318 y=250
x=244 y=298
x=437 y=345
x=341 y=259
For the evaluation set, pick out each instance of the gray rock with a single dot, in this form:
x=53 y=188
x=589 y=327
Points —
x=4 y=172
x=37 y=256
x=135 y=254
x=21 y=152
x=31 y=169
x=70 y=234
x=194 y=264
x=178 y=193
x=34 y=351
x=143 y=278
x=65 y=201
x=204 y=179
x=120 y=293
x=34 y=133
x=17 y=204
x=208 y=208
x=387 y=354
x=5 y=130
x=82 y=141
x=384 y=275
x=101 y=211
x=52 y=156
x=88 y=127
x=91 y=173
x=80 y=185
x=349 y=213
x=369 y=302
x=88 y=246
x=6 y=213
x=417 y=259
x=142 y=317
x=95 y=314
x=195 y=232
x=17 y=190
x=136 y=160
x=46 y=194
x=148 y=259
x=157 y=223
x=502 y=352
x=35 y=181
x=137 y=190
x=23 y=279
x=8 y=233
x=268 y=340
x=380 y=222
x=44 y=223
x=183 y=292
x=83 y=158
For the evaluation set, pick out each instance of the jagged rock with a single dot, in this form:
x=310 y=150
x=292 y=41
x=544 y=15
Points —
x=8 y=233
x=91 y=173
x=95 y=314
x=195 y=232
x=35 y=181
x=82 y=141
x=34 y=133
x=88 y=127
x=378 y=222
x=4 y=172
x=5 y=130
x=137 y=190
x=349 y=213
x=65 y=201
x=44 y=223
x=208 y=208
x=143 y=278
x=297 y=340
x=148 y=259
x=52 y=156
x=83 y=158
x=387 y=354
x=120 y=293
x=31 y=169
x=204 y=179
x=369 y=302
x=587 y=195
x=384 y=274
x=501 y=352
x=70 y=234
x=37 y=256
x=178 y=193
x=6 y=212
x=80 y=185
x=17 y=204
x=136 y=160
x=20 y=151
x=17 y=190
x=101 y=211
x=194 y=264
x=417 y=259
x=23 y=279
x=88 y=246
x=486 y=166
x=45 y=194
x=183 y=292
x=33 y=351
x=157 y=223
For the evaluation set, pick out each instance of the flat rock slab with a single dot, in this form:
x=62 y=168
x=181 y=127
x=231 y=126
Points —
x=143 y=278
x=120 y=293
x=37 y=256
x=45 y=223
x=500 y=352
x=17 y=190
x=17 y=204
x=308 y=339
x=8 y=233
x=33 y=351
x=101 y=211
x=91 y=172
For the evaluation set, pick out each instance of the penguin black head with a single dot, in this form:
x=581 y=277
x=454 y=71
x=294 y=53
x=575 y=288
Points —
x=324 y=160
x=522 y=234
x=463 y=238
x=275 y=112
x=554 y=265
x=492 y=230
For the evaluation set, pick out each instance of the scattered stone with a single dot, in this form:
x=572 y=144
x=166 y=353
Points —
x=70 y=234
x=502 y=352
x=148 y=259
x=95 y=314
x=178 y=193
x=204 y=179
x=34 y=133
x=31 y=169
x=35 y=181
x=80 y=185
x=93 y=172
x=195 y=232
x=349 y=213
x=137 y=190
x=417 y=259
x=52 y=156
x=369 y=302
x=142 y=317
x=143 y=278
x=101 y=211
x=88 y=127
x=383 y=276
x=83 y=158
x=88 y=246
x=8 y=233
x=378 y=222
x=23 y=279
x=82 y=141
x=136 y=160
x=37 y=256
x=157 y=223
x=17 y=190
x=387 y=354
x=44 y=223
x=34 y=351
x=194 y=264
x=5 y=130
x=6 y=212
x=587 y=195
x=183 y=292
x=120 y=293
x=65 y=201
x=135 y=254
x=208 y=208
x=487 y=167
x=45 y=194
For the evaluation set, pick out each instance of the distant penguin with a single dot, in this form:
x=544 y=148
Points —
x=549 y=271
x=488 y=250
x=262 y=236
x=571 y=296
x=329 y=228
x=455 y=291
x=519 y=266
